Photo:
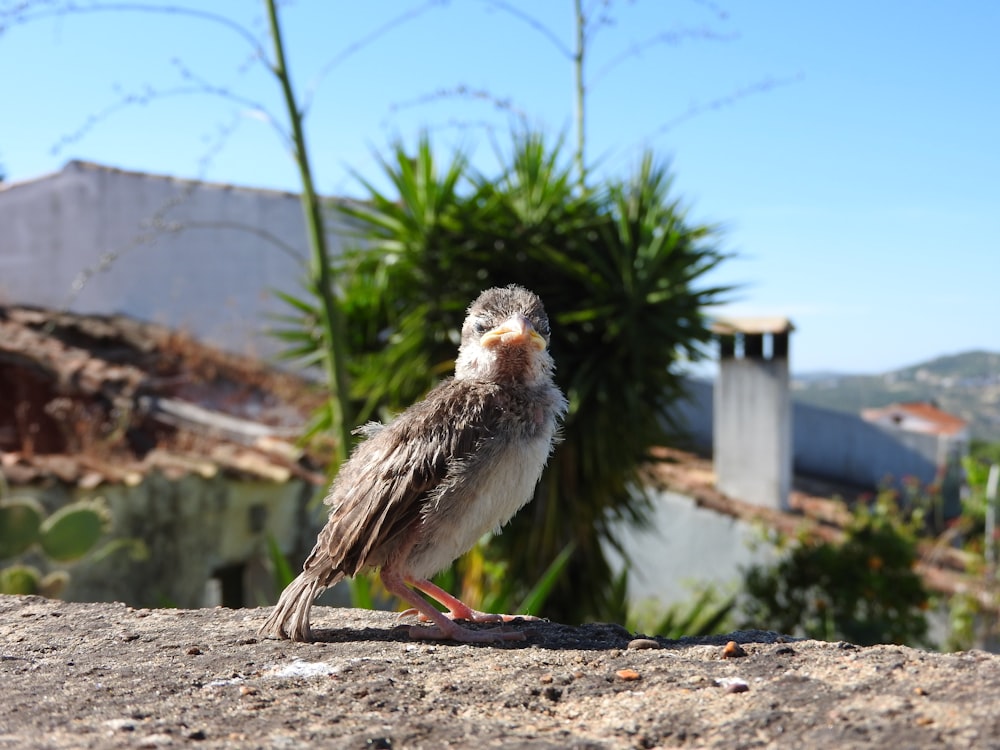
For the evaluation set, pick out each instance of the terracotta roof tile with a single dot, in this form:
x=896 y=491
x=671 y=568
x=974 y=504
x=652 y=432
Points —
x=95 y=399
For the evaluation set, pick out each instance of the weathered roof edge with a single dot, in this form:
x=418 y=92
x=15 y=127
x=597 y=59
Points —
x=220 y=442
x=942 y=568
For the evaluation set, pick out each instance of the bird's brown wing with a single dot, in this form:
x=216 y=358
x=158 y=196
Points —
x=379 y=494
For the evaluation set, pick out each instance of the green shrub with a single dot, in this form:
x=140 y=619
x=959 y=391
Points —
x=861 y=589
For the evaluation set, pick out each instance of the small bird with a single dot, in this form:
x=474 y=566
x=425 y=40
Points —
x=422 y=489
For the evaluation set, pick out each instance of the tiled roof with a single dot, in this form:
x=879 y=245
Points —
x=917 y=416
x=91 y=399
x=942 y=568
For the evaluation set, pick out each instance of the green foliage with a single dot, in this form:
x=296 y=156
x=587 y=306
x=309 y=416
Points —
x=618 y=268
x=20 y=523
x=709 y=612
x=28 y=580
x=487 y=581
x=862 y=589
x=65 y=536
x=984 y=452
x=281 y=571
x=974 y=624
x=973 y=519
x=72 y=531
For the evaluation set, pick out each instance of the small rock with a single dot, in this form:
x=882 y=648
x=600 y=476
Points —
x=193 y=651
x=644 y=643
x=156 y=740
x=733 y=685
x=733 y=650
x=546 y=679
x=627 y=674
x=120 y=725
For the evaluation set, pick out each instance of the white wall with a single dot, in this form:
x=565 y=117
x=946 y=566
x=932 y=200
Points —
x=685 y=547
x=195 y=256
x=833 y=444
x=845 y=447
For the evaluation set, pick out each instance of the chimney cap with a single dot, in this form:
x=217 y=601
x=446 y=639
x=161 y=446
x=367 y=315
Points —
x=774 y=324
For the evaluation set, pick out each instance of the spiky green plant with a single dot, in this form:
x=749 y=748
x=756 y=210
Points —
x=619 y=270
x=708 y=612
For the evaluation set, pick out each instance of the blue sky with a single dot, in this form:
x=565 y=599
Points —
x=857 y=176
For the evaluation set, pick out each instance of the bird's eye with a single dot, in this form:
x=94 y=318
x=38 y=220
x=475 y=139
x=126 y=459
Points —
x=479 y=326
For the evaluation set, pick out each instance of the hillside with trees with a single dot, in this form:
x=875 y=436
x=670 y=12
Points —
x=965 y=384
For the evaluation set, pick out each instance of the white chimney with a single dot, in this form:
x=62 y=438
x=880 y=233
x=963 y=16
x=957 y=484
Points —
x=752 y=430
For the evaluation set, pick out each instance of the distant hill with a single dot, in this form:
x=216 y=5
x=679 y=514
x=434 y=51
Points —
x=966 y=384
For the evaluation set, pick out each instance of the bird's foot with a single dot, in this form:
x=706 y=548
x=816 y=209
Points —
x=463 y=635
x=456 y=608
x=474 y=615
x=444 y=625
x=470 y=615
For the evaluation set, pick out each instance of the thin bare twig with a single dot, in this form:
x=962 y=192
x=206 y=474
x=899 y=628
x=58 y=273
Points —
x=461 y=91
x=759 y=87
x=721 y=13
x=534 y=23
x=27 y=12
x=409 y=15
x=673 y=37
x=147 y=96
x=227 y=94
x=158 y=225
x=594 y=21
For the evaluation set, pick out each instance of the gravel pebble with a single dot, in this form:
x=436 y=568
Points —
x=641 y=643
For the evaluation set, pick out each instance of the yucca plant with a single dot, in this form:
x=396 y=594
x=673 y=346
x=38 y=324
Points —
x=618 y=268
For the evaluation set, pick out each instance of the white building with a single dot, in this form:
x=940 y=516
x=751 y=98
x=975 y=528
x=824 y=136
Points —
x=201 y=257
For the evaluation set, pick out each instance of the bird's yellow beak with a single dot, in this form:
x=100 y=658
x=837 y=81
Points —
x=515 y=330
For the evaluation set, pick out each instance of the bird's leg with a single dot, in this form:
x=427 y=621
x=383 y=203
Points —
x=459 y=610
x=444 y=628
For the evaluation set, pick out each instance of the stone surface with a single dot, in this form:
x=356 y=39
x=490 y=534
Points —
x=106 y=676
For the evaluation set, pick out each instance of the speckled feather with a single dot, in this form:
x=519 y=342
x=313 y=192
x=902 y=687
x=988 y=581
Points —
x=420 y=491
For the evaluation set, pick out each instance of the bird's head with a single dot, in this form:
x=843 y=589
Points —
x=505 y=337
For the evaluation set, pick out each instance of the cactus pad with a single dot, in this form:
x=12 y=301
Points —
x=72 y=531
x=20 y=521
x=20 y=579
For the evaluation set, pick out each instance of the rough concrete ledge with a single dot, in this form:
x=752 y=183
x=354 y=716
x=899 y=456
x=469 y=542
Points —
x=108 y=676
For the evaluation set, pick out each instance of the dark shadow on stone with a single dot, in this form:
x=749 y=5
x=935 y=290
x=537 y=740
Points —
x=546 y=635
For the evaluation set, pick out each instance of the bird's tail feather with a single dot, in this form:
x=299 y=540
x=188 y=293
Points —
x=290 y=618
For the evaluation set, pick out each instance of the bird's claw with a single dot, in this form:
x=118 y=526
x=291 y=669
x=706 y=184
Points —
x=471 y=615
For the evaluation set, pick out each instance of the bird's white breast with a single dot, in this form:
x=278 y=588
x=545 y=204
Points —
x=504 y=487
